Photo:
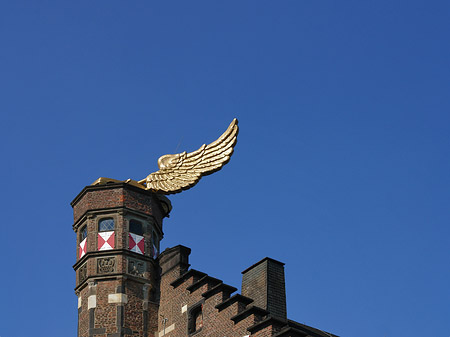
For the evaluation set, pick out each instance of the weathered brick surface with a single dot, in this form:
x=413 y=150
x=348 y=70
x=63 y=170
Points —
x=266 y=332
x=264 y=282
x=133 y=309
x=254 y=284
x=105 y=313
x=116 y=195
x=164 y=297
x=190 y=293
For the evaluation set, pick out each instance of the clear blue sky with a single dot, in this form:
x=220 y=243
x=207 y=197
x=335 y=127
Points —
x=341 y=168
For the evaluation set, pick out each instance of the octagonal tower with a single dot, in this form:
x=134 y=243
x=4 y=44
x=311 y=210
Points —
x=118 y=228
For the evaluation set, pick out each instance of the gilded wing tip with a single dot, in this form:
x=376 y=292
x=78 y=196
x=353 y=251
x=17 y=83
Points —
x=174 y=174
x=234 y=122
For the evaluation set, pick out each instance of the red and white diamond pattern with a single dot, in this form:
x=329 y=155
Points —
x=83 y=248
x=136 y=243
x=106 y=240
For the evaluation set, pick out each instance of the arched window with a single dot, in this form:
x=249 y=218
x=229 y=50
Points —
x=105 y=225
x=136 y=227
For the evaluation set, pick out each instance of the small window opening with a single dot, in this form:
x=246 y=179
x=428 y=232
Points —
x=155 y=242
x=136 y=227
x=106 y=225
x=195 y=322
x=83 y=233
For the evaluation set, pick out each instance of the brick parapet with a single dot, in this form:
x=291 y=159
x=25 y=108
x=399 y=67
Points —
x=243 y=301
x=104 y=197
x=223 y=289
x=291 y=332
x=208 y=281
x=222 y=315
x=191 y=273
x=273 y=323
x=241 y=328
x=254 y=311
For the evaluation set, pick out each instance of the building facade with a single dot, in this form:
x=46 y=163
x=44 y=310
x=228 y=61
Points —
x=127 y=287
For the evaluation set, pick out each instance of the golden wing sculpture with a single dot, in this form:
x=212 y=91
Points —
x=178 y=172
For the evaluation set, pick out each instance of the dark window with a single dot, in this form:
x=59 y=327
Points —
x=195 y=322
x=155 y=249
x=106 y=225
x=136 y=227
x=83 y=233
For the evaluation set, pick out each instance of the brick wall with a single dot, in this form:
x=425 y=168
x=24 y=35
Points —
x=185 y=293
x=114 y=299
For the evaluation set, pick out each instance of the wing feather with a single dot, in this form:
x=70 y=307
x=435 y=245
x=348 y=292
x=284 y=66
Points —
x=190 y=167
x=216 y=147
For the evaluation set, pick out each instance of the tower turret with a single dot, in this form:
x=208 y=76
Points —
x=118 y=228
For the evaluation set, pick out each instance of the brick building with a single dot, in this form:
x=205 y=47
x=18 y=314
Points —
x=126 y=287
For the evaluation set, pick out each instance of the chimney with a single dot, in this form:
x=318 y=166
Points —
x=264 y=283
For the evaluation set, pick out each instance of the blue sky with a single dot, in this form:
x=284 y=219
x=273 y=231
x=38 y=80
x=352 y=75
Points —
x=341 y=168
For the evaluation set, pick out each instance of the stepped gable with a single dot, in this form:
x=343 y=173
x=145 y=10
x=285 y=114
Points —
x=202 y=305
x=243 y=300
